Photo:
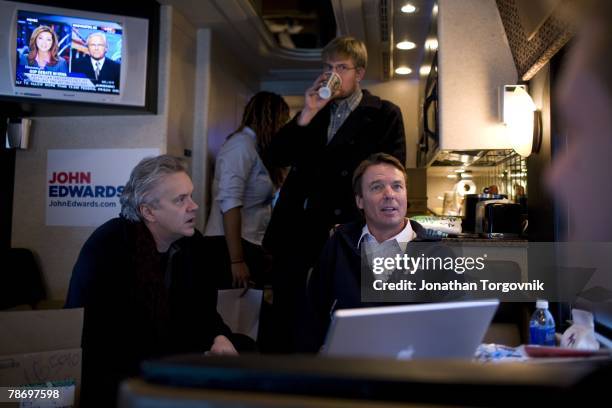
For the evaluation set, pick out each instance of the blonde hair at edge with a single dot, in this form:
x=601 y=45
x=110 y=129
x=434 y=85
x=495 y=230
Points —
x=347 y=47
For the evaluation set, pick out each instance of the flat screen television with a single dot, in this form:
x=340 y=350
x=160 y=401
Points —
x=69 y=55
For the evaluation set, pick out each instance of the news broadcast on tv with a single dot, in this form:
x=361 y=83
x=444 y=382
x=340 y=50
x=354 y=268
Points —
x=68 y=53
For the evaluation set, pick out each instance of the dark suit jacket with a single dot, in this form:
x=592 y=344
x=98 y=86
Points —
x=317 y=193
x=110 y=70
x=118 y=329
x=342 y=280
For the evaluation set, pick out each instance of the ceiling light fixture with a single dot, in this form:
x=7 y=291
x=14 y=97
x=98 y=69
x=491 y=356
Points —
x=408 y=8
x=406 y=45
x=431 y=44
x=403 y=70
x=425 y=69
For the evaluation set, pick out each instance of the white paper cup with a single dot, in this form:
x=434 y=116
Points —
x=331 y=85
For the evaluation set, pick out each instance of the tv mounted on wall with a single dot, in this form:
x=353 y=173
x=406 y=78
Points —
x=50 y=53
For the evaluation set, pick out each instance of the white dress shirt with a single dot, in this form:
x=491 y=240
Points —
x=406 y=235
x=241 y=180
x=387 y=249
x=100 y=62
x=340 y=111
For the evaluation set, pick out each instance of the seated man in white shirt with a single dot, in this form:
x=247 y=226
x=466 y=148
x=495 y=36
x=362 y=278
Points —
x=379 y=184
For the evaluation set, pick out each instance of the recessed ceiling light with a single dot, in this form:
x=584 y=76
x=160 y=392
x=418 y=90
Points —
x=431 y=44
x=406 y=45
x=408 y=8
x=403 y=70
x=425 y=70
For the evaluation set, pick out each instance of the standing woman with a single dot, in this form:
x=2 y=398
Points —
x=243 y=189
x=44 y=50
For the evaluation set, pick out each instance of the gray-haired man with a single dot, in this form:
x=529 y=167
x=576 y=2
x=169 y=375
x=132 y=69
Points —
x=141 y=279
x=98 y=67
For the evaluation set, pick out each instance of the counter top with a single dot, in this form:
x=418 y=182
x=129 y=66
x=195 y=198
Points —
x=472 y=238
x=455 y=382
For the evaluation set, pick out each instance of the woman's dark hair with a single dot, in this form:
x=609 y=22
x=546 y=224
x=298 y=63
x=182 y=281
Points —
x=266 y=113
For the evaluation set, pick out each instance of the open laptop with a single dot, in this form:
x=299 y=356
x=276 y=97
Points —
x=432 y=330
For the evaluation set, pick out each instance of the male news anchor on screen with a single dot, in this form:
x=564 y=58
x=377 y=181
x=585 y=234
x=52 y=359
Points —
x=97 y=67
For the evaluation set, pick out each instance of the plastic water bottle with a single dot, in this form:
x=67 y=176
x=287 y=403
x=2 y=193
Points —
x=542 y=325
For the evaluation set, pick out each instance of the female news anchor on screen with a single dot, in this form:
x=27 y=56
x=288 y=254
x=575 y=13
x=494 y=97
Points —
x=44 y=51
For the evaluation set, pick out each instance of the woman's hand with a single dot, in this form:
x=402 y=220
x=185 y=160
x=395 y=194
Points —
x=240 y=275
x=222 y=346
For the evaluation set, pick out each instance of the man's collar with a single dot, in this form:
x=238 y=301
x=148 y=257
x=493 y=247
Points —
x=352 y=100
x=365 y=232
x=403 y=237
x=94 y=61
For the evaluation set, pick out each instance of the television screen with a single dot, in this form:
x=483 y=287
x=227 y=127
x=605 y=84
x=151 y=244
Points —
x=68 y=53
x=62 y=54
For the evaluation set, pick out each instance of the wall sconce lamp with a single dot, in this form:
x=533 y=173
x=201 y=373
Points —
x=522 y=119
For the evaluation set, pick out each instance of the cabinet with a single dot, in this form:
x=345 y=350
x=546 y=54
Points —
x=474 y=61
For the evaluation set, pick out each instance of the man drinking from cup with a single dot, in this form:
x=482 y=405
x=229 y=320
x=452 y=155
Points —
x=324 y=144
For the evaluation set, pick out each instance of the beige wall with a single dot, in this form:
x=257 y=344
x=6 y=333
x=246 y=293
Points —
x=405 y=94
x=232 y=84
x=181 y=92
x=436 y=186
x=219 y=111
x=170 y=130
